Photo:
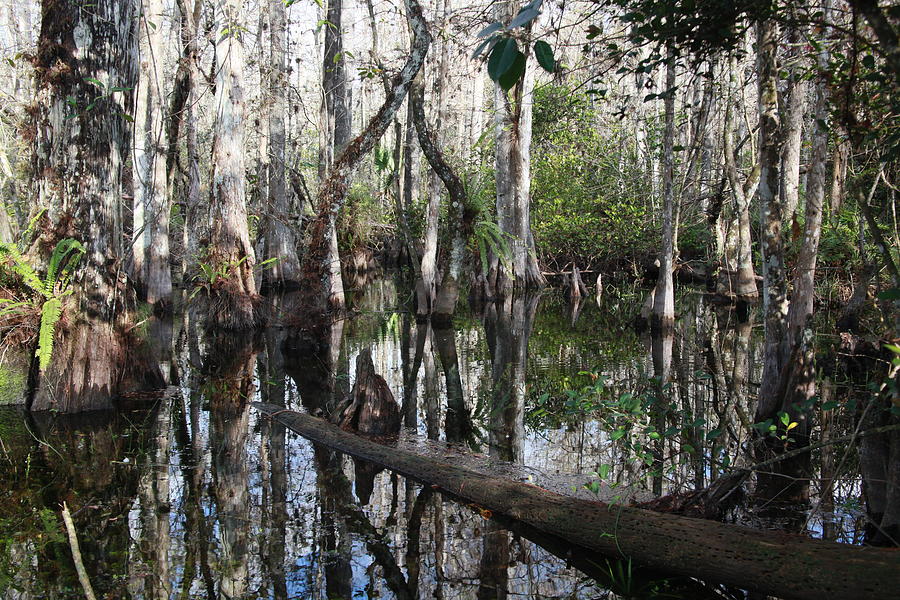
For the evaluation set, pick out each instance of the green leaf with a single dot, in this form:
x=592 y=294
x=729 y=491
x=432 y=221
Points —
x=96 y=82
x=544 y=54
x=890 y=294
x=512 y=76
x=502 y=57
x=525 y=16
x=492 y=28
x=62 y=263
x=21 y=267
x=603 y=472
x=50 y=313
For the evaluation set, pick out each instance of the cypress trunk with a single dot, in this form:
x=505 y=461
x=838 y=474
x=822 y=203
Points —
x=150 y=231
x=234 y=303
x=82 y=140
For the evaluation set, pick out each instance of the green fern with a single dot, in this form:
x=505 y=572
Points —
x=53 y=288
x=489 y=236
x=21 y=267
x=51 y=311
x=62 y=263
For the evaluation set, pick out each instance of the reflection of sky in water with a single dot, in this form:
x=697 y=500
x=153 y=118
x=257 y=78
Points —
x=453 y=537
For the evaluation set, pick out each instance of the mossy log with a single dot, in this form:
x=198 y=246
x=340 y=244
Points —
x=770 y=562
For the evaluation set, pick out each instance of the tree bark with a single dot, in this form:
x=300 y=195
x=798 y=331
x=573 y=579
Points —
x=150 y=231
x=737 y=278
x=334 y=131
x=512 y=126
x=793 y=125
x=280 y=242
x=663 y=317
x=184 y=97
x=775 y=303
x=82 y=141
x=235 y=302
x=769 y=562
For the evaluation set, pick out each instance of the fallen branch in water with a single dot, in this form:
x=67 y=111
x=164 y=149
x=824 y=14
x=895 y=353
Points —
x=76 y=554
x=771 y=562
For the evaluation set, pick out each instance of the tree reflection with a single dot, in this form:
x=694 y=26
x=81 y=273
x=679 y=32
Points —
x=227 y=387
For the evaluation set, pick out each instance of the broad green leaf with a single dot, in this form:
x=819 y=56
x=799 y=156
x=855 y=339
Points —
x=525 y=16
x=492 y=28
x=515 y=72
x=502 y=58
x=544 y=54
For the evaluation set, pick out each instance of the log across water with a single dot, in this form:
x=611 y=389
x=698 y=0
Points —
x=771 y=562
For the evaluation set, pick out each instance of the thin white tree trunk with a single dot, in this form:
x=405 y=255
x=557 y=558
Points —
x=151 y=195
x=280 y=240
x=793 y=127
x=737 y=278
x=663 y=318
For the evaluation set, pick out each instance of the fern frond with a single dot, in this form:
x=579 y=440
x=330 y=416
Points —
x=67 y=248
x=12 y=307
x=21 y=267
x=50 y=314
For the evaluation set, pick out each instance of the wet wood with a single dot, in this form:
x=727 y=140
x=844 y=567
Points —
x=769 y=562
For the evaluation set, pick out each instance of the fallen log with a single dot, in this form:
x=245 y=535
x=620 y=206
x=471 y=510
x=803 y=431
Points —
x=769 y=562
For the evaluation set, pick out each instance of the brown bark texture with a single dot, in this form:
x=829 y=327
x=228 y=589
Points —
x=85 y=65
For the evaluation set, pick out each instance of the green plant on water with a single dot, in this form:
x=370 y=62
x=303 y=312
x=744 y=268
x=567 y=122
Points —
x=210 y=274
x=49 y=291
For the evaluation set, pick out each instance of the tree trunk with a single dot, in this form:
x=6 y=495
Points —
x=82 y=141
x=663 y=317
x=461 y=223
x=235 y=302
x=737 y=278
x=333 y=191
x=769 y=562
x=797 y=383
x=280 y=242
x=429 y=281
x=512 y=124
x=150 y=237
x=775 y=303
x=334 y=132
x=793 y=126
x=184 y=97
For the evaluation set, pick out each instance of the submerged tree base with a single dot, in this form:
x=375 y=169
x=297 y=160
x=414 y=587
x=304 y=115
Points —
x=230 y=308
x=94 y=363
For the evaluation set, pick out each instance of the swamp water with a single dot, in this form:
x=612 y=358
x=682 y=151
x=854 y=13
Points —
x=201 y=497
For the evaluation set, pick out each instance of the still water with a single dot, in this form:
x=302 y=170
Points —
x=199 y=497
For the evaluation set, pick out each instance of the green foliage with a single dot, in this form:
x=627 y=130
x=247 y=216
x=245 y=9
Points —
x=694 y=240
x=489 y=239
x=49 y=291
x=212 y=273
x=506 y=62
x=51 y=311
x=590 y=204
x=358 y=219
